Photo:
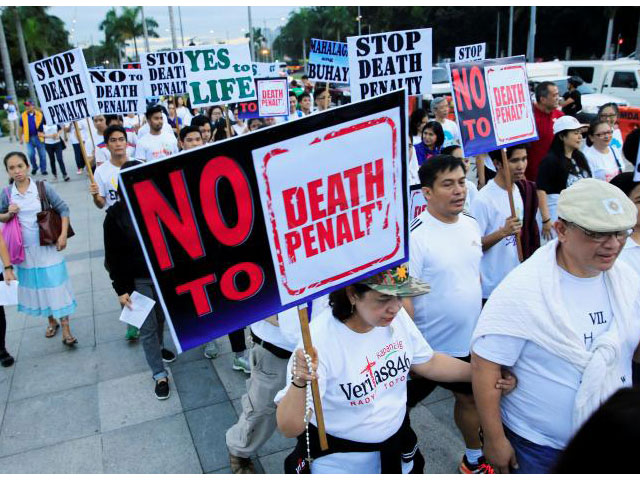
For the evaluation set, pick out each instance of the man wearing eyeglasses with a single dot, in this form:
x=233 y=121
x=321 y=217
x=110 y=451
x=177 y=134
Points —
x=566 y=323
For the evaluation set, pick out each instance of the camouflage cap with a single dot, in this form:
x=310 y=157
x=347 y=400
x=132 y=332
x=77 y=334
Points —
x=397 y=282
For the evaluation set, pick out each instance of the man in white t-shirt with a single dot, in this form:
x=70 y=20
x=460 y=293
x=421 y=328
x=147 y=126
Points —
x=96 y=145
x=157 y=144
x=445 y=251
x=440 y=108
x=566 y=322
x=105 y=189
x=497 y=226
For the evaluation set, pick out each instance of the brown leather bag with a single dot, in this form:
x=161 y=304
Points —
x=49 y=221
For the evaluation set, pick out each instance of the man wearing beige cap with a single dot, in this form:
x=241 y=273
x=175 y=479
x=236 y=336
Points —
x=566 y=323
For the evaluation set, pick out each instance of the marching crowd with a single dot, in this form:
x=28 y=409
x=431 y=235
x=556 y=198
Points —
x=519 y=306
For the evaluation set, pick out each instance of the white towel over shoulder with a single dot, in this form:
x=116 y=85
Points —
x=528 y=305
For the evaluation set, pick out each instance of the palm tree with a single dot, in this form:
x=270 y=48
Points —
x=132 y=28
x=6 y=64
x=23 y=54
x=113 y=32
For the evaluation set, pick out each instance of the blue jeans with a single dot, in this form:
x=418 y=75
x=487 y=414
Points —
x=33 y=145
x=531 y=457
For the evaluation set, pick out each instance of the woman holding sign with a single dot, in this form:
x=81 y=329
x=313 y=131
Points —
x=45 y=288
x=366 y=345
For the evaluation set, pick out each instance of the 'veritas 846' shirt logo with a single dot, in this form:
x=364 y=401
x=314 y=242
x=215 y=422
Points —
x=387 y=369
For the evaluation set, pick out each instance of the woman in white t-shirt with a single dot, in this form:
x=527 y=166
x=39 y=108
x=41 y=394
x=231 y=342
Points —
x=364 y=347
x=603 y=160
x=609 y=113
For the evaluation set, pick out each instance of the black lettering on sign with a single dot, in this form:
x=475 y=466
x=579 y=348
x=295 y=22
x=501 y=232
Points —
x=590 y=338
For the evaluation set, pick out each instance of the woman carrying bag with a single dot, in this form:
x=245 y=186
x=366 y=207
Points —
x=45 y=288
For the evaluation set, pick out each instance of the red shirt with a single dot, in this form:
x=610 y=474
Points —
x=539 y=148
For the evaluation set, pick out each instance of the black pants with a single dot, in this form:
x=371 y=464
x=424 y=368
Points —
x=55 y=153
x=77 y=150
x=3 y=324
x=237 y=341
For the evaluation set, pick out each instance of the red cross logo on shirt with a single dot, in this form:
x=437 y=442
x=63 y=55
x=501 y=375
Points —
x=368 y=370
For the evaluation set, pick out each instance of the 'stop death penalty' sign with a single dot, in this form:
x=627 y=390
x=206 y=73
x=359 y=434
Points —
x=384 y=62
x=164 y=73
x=218 y=74
x=468 y=53
x=492 y=104
x=231 y=236
x=63 y=87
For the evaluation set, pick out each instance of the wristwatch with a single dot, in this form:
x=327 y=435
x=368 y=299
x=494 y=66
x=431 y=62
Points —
x=8 y=267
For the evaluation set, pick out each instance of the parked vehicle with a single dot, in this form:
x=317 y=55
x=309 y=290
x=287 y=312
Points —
x=620 y=78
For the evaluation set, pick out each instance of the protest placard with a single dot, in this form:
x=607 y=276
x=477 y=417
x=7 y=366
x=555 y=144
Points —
x=63 y=87
x=492 y=104
x=219 y=74
x=328 y=61
x=470 y=53
x=384 y=62
x=164 y=73
x=417 y=202
x=265 y=70
x=131 y=65
x=273 y=97
x=232 y=236
x=118 y=91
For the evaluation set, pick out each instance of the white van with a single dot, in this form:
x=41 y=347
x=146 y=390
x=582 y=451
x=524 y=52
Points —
x=614 y=77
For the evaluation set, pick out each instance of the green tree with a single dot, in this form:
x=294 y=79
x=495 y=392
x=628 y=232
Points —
x=131 y=26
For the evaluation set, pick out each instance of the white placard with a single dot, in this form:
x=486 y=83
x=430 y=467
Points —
x=9 y=293
x=219 y=74
x=385 y=62
x=164 y=73
x=339 y=215
x=63 y=87
x=273 y=97
x=511 y=107
x=469 y=53
x=266 y=70
x=118 y=91
x=141 y=306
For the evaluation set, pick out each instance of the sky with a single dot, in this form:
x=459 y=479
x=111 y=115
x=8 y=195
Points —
x=207 y=24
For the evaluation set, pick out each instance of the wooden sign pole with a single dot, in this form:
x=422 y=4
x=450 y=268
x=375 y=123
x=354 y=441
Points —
x=91 y=135
x=84 y=151
x=507 y=175
x=328 y=101
x=303 y=315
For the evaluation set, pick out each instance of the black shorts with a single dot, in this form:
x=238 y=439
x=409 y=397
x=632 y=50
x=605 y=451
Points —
x=419 y=388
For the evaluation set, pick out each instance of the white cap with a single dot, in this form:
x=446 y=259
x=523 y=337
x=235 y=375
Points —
x=598 y=206
x=566 y=123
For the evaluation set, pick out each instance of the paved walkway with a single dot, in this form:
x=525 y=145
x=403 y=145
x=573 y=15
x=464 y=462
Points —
x=92 y=409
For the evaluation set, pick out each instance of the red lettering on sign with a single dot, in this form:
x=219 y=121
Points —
x=213 y=172
x=294 y=201
x=228 y=281
x=374 y=180
x=198 y=293
x=156 y=211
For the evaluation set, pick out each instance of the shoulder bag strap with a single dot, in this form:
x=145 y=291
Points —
x=615 y=157
x=44 y=201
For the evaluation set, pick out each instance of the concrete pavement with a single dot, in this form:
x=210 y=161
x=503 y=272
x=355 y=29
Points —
x=92 y=409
